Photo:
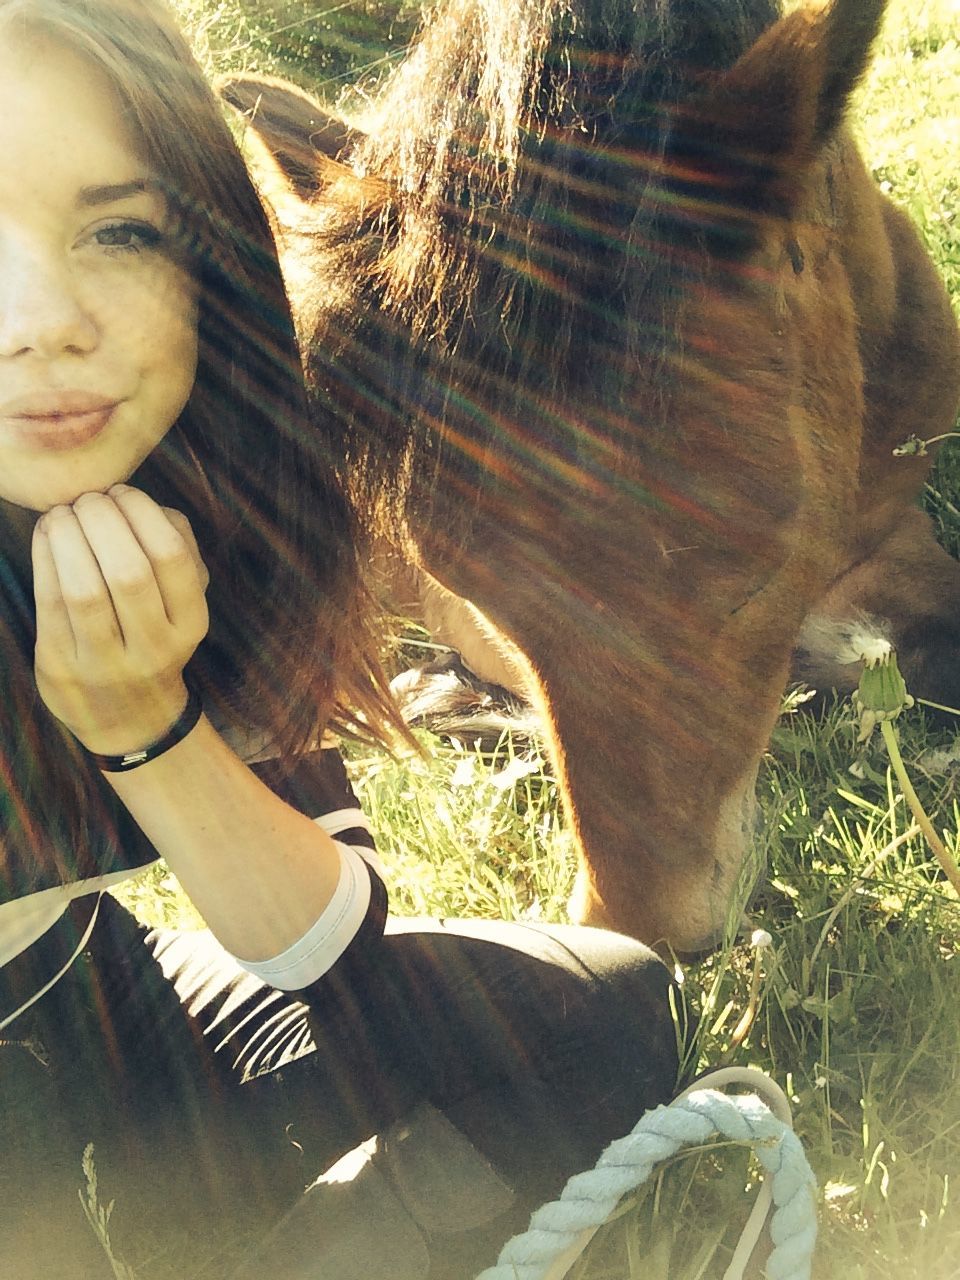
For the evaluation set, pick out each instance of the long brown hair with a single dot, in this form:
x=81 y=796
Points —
x=291 y=645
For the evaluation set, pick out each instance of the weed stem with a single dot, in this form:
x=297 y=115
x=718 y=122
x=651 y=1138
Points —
x=950 y=868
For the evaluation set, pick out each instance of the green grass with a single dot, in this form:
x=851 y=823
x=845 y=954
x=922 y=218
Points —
x=860 y=1001
x=909 y=121
x=325 y=44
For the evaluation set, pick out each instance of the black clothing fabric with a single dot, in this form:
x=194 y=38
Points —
x=212 y=1101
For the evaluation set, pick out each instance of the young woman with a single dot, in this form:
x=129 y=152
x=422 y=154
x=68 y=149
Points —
x=181 y=616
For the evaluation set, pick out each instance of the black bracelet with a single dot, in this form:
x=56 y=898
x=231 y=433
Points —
x=186 y=721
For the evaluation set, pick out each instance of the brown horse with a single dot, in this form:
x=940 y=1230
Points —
x=613 y=334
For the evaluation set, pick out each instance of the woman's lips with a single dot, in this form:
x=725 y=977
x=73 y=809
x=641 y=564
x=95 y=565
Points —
x=56 y=431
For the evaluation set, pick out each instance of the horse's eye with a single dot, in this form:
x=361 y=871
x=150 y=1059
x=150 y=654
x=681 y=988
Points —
x=795 y=253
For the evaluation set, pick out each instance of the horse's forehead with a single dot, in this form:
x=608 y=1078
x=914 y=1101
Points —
x=702 y=32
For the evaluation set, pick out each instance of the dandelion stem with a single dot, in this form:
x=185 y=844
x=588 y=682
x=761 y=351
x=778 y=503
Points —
x=749 y=1016
x=947 y=435
x=950 y=868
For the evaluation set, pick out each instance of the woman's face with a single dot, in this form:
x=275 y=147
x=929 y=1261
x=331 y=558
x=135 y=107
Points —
x=98 y=323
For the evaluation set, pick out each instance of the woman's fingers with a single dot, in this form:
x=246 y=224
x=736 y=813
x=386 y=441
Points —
x=182 y=526
x=126 y=572
x=167 y=541
x=54 y=632
x=120 y=611
x=116 y=574
x=87 y=600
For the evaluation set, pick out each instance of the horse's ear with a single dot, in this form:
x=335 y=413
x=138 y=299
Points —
x=753 y=134
x=302 y=136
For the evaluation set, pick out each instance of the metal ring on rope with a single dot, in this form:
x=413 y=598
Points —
x=561 y=1230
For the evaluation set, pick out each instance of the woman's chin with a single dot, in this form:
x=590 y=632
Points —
x=64 y=494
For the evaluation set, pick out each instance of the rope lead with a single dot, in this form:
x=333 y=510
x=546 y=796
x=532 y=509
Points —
x=560 y=1231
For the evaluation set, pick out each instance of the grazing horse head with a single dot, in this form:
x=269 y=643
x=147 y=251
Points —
x=594 y=312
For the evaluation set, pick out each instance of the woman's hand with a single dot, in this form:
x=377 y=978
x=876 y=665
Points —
x=119 y=587
x=120 y=609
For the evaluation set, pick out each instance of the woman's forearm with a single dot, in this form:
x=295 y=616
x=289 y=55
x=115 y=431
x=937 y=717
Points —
x=259 y=872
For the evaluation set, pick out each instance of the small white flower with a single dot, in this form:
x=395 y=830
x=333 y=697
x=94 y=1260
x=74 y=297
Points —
x=465 y=774
x=511 y=774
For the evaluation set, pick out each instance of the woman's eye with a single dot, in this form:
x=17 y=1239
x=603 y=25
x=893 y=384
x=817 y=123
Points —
x=127 y=236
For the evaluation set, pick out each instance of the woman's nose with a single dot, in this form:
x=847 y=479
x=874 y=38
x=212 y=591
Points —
x=41 y=312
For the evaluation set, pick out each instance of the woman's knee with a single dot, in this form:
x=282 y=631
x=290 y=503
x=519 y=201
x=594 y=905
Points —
x=587 y=1010
x=617 y=1049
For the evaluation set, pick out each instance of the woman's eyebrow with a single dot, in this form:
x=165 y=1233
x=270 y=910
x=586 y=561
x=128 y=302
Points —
x=89 y=197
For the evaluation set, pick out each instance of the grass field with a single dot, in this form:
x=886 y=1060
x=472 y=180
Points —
x=859 y=1015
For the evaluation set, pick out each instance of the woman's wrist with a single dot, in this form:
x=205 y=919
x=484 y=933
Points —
x=123 y=721
x=184 y=723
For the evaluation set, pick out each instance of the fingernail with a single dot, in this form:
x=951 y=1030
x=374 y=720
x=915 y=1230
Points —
x=119 y=488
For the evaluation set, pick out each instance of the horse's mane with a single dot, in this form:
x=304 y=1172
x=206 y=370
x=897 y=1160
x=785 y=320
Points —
x=511 y=179
x=486 y=75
